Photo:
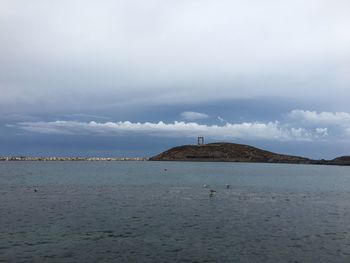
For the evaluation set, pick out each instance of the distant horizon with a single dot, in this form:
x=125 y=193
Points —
x=142 y=158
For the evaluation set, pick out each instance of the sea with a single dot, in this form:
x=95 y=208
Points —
x=143 y=211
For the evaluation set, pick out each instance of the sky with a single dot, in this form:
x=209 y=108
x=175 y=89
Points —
x=133 y=78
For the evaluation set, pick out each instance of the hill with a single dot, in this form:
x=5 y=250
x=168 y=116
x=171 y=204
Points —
x=232 y=152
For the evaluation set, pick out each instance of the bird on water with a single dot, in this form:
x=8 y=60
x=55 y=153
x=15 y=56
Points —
x=211 y=192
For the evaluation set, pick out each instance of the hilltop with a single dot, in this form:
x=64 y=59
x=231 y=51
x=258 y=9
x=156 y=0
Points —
x=233 y=152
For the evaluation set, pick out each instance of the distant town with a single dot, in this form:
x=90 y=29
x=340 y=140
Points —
x=27 y=158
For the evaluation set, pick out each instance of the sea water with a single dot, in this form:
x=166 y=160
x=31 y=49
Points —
x=163 y=212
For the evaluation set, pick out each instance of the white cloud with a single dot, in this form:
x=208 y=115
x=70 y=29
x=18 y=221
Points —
x=221 y=119
x=320 y=118
x=191 y=115
x=322 y=131
x=331 y=125
x=246 y=130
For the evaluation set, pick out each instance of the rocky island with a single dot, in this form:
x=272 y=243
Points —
x=233 y=152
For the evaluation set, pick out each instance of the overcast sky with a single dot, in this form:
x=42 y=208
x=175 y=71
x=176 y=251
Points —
x=134 y=77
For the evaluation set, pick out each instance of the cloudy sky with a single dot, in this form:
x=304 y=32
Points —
x=132 y=77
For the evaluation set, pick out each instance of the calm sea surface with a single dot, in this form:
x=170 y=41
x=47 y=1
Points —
x=140 y=212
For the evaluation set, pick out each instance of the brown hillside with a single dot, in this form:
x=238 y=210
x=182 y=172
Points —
x=226 y=152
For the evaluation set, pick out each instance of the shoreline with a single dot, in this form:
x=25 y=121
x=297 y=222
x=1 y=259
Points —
x=144 y=159
x=93 y=159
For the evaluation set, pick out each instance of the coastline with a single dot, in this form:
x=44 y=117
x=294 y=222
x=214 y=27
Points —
x=94 y=159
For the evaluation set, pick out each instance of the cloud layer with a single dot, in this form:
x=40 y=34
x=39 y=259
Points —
x=96 y=54
x=265 y=131
x=297 y=125
x=312 y=118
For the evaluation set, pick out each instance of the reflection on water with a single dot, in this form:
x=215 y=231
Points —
x=138 y=212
